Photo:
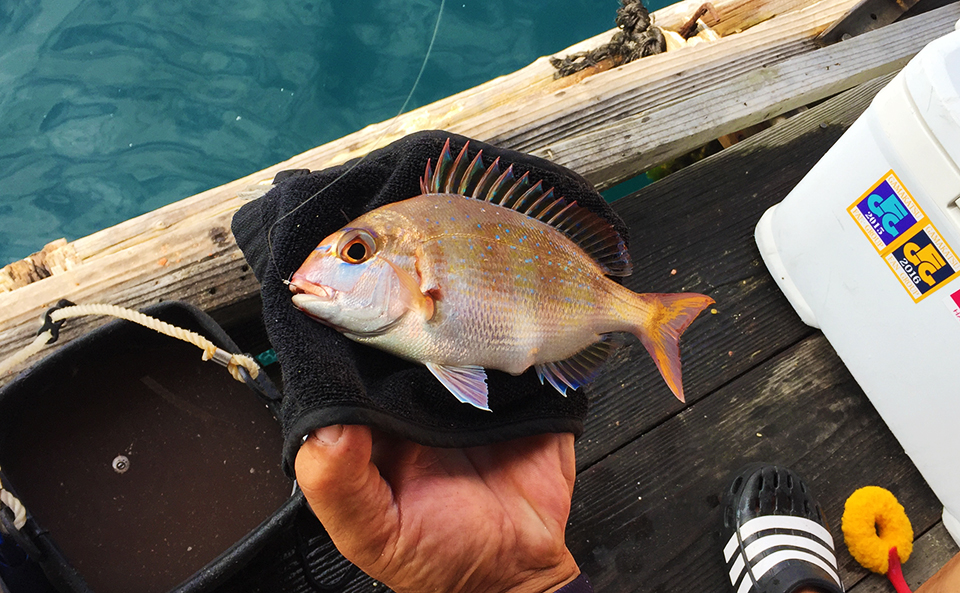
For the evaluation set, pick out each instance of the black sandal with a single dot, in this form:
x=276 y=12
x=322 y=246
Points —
x=776 y=538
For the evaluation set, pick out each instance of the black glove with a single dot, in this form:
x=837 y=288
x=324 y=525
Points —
x=328 y=378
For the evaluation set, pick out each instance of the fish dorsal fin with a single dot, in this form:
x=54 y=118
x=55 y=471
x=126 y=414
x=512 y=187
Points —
x=471 y=179
x=579 y=369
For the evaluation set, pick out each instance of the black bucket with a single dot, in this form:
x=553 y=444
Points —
x=144 y=468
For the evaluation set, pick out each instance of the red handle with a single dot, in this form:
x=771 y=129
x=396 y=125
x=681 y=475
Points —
x=895 y=572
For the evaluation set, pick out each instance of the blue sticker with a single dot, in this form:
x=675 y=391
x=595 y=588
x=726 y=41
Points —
x=886 y=213
x=922 y=263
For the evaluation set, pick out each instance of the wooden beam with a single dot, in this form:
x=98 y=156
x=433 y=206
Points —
x=669 y=129
x=500 y=111
x=185 y=250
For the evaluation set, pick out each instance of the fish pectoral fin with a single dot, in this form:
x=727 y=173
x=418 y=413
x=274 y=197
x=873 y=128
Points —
x=415 y=299
x=467 y=383
x=579 y=369
x=428 y=254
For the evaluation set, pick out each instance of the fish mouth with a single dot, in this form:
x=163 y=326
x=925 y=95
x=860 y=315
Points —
x=304 y=302
x=301 y=287
x=307 y=296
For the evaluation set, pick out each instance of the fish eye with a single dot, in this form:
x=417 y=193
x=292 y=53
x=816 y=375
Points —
x=356 y=250
x=356 y=246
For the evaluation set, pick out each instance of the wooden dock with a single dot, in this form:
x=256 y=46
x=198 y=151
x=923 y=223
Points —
x=760 y=384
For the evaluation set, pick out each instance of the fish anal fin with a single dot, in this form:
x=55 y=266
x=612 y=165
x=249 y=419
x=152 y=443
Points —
x=467 y=383
x=579 y=369
x=669 y=316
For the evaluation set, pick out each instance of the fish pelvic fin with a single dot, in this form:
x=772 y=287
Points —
x=664 y=318
x=469 y=178
x=467 y=383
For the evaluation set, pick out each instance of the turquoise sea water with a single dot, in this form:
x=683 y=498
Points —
x=112 y=108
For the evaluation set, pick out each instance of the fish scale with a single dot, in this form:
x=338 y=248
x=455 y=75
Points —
x=503 y=276
x=511 y=273
x=506 y=265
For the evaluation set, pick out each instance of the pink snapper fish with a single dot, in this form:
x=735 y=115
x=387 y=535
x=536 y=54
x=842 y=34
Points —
x=480 y=272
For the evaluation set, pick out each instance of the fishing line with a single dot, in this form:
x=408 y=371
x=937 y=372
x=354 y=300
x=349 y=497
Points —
x=376 y=142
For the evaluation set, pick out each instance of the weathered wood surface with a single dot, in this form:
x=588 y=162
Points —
x=700 y=222
x=185 y=250
x=664 y=131
x=646 y=518
x=760 y=384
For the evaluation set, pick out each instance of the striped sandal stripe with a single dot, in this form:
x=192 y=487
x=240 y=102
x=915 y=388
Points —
x=766 y=522
x=815 y=546
x=765 y=543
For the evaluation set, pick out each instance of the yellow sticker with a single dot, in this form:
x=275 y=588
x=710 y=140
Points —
x=885 y=211
x=903 y=236
x=923 y=262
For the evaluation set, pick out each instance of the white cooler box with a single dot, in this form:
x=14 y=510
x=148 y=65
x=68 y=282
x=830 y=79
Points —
x=867 y=248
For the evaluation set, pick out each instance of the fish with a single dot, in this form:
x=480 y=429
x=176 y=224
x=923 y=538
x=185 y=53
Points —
x=483 y=270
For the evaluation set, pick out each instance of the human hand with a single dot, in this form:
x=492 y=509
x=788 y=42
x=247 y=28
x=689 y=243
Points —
x=416 y=518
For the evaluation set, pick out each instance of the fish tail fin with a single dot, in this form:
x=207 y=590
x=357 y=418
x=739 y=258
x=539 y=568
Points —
x=664 y=318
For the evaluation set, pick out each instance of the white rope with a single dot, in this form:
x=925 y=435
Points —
x=11 y=501
x=26 y=352
x=233 y=362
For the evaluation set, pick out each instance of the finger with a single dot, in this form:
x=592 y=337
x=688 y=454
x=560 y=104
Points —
x=346 y=492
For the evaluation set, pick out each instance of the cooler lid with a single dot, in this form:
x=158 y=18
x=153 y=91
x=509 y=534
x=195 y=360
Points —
x=933 y=80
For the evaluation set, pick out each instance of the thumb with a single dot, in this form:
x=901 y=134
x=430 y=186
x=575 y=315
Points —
x=346 y=492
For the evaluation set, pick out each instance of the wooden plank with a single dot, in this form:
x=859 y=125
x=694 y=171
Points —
x=735 y=15
x=646 y=518
x=539 y=122
x=198 y=263
x=497 y=109
x=517 y=110
x=700 y=222
x=931 y=551
x=56 y=257
x=181 y=251
x=672 y=128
